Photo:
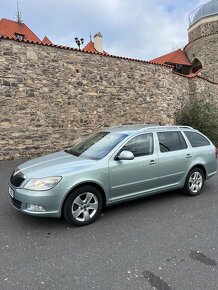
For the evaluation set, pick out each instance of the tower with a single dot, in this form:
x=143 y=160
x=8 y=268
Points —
x=202 y=49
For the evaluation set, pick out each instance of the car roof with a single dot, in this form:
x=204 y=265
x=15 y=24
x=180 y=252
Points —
x=131 y=129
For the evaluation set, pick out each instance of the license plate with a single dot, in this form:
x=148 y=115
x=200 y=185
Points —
x=11 y=192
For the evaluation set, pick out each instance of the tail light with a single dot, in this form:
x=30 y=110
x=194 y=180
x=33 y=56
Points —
x=216 y=152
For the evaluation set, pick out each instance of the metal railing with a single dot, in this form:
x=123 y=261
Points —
x=202 y=11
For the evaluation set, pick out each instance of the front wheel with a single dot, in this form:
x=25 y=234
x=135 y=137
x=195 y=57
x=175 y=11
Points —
x=83 y=206
x=194 y=182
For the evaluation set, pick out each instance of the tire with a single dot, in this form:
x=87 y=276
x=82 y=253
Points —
x=194 y=182
x=83 y=206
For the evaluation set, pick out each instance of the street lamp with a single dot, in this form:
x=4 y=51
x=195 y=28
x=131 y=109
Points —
x=79 y=42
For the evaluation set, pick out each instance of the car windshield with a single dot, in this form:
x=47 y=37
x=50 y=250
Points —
x=97 y=146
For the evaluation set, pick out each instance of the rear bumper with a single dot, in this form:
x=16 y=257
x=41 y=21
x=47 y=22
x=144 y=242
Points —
x=211 y=174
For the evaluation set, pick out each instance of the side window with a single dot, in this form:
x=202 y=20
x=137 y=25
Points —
x=171 y=141
x=140 y=145
x=196 y=139
x=182 y=141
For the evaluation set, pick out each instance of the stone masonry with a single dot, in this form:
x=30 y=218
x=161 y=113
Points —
x=203 y=45
x=206 y=50
x=52 y=96
x=203 y=30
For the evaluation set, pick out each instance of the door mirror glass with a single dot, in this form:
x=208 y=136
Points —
x=125 y=155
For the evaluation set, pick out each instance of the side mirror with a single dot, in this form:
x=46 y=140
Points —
x=125 y=155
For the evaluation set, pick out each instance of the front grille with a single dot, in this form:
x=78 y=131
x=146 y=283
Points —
x=16 y=203
x=17 y=179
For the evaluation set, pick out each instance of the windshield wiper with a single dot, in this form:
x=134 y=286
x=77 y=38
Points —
x=71 y=152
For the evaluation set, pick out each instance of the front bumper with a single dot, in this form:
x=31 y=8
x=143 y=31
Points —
x=50 y=200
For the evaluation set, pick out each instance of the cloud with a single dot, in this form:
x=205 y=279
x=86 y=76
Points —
x=132 y=28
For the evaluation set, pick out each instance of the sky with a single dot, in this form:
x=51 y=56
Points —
x=140 y=29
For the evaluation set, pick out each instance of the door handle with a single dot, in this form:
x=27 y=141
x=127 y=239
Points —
x=188 y=156
x=153 y=162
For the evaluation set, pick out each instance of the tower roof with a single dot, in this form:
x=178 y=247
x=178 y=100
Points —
x=46 y=40
x=205 y=10
x=91 y=47
x=98 y=34
x=11 y=28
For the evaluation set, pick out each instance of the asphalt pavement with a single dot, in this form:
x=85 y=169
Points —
x=165 y=242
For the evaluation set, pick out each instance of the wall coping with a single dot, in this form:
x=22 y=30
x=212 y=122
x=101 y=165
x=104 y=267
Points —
x=109 y=55
x=83 y=51
x=206 y=35
x=196 y=75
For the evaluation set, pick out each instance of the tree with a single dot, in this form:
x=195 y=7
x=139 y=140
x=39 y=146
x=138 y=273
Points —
x=201 y=114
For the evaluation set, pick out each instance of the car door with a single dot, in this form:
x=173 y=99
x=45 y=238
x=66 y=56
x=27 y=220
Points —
x=174 y=159
x=129 y=178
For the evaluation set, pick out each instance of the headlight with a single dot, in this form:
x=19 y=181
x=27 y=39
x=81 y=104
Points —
x=45 y=183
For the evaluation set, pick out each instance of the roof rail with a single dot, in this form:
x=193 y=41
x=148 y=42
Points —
x=184 y=127
x=165 y=127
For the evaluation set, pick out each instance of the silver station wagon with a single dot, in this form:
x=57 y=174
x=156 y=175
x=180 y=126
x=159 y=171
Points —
x=112 y=166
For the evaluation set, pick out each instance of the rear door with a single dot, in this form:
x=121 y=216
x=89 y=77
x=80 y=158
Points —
x=174 y=159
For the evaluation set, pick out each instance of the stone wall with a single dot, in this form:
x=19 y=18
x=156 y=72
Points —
x=201 y=87
x=203 y=30
x=50 y=97
x=203 y=45
x=206 y=50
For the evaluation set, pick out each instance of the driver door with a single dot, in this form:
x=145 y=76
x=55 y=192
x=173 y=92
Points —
x=129 y=178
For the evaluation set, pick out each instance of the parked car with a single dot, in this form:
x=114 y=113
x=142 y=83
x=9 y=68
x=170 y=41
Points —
x=112 y=166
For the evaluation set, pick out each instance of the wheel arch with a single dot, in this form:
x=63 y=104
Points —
x=90 y=183
x=189 y=190
x=200 y=166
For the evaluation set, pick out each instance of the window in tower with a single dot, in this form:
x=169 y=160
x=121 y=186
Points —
x=196 y=65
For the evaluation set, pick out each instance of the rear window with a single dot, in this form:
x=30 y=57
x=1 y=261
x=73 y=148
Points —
x=196 y=139
x=171 y=141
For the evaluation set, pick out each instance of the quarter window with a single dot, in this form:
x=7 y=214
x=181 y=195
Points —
x=140 y=145
x=171 y=141
x=196 y=139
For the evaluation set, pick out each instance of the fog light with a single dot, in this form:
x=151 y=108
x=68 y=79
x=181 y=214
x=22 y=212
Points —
x=33 y=207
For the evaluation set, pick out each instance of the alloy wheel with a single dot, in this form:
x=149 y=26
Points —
x=195 y=181
x=84 y=207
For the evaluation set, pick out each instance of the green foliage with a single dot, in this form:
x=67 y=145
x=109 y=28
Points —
x=201 y=114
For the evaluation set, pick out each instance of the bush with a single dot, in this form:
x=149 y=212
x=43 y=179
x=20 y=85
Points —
x=201 y=114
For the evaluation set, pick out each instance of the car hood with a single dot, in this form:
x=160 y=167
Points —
x=55 y=164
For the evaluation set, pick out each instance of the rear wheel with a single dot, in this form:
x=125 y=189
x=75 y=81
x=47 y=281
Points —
x=83 y=205
x=194 y=182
